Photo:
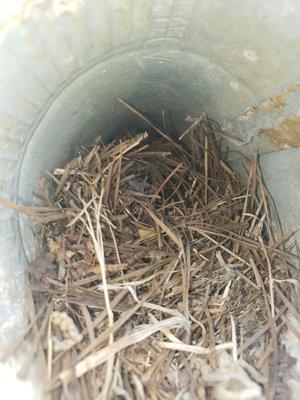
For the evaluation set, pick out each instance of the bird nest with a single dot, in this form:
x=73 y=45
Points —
x=161 y=275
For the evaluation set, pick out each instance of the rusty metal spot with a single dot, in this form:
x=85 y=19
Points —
x=286 y=134
x=275 y=102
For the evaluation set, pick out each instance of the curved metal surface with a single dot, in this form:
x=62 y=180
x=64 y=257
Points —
x=186 y=56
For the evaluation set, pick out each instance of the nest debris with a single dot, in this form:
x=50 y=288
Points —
x=162 y=275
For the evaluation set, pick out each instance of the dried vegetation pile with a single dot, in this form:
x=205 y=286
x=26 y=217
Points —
x=162 y=275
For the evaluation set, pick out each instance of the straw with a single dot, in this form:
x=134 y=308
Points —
x=161 y=260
